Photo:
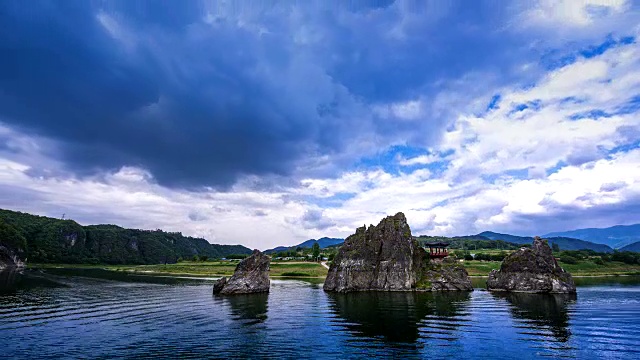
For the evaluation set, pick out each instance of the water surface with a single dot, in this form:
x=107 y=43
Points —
x=63 y=315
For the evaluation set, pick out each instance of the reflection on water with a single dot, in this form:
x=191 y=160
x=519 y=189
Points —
x=542 y=311
x=9 y=279
x=252 y=307
x=12 y=280
x=160 y=317
x=480 y=282
x=95 y=273
x=396 y=316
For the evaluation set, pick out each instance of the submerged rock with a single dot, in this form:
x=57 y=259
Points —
x=387 y=258
x=531 y=270
x=251 y=276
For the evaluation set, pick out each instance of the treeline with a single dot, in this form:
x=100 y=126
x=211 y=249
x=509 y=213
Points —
x=469 y=243
x=574 y=256
x=48 y=240
x=564 y=256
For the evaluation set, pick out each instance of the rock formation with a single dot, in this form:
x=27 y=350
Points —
x=251 y=276
x=387 y=258
x=531 y=270
x=10 y=258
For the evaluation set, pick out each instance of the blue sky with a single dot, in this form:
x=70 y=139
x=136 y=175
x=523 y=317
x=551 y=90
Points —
x=267 y=123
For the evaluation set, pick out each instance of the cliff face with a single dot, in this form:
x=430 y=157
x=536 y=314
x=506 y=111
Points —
x=531 y=270
x=251 y=276
x=12 y=247
x=386 y=258
x=9 y=258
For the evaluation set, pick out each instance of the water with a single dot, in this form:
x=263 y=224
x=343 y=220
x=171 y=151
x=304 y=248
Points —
x=67 y=316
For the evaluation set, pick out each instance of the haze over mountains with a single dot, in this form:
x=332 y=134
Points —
x=565 y=243
x=616 y=237
x=619 y=237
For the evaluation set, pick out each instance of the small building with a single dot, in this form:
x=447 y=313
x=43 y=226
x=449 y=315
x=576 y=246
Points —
x=438 y=249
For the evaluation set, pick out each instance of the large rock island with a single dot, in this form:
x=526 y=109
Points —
x=251 y=276
x=533 y=270
x=387 y=258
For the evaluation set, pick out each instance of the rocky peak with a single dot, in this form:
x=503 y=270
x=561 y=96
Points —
x=250 y=276
x=532 y=269
x=384 y=257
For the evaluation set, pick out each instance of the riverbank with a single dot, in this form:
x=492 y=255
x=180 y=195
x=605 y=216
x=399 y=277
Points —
x=204 y=269
x=581 y=268
x=317 y=270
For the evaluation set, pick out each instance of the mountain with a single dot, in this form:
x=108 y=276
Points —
x=635 y=247
x=50 y=240
x=506 y=237
x=565 y=243
x=616 y=236
x=324 y=242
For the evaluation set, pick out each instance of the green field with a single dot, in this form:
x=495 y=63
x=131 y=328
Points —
x=315 y=270
x=582 y=268
x=207 y=268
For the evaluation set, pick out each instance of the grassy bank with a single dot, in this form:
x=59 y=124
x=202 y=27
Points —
x=315 y=270
x=207 y=268
x=581 y=268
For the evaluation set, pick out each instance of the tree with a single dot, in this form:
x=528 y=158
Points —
x=555 y=247
x=315 y=250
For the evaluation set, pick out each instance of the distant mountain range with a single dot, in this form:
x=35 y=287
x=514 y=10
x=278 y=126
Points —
x=621 y=237
x=616 y=237
x=323 y=242
x=632 y=247
x=565 y=243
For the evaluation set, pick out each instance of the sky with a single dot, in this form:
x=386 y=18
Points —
x=267 y=123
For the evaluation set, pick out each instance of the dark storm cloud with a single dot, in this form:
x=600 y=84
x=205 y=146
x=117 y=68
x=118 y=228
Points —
x=200 y=94
x=194 y=104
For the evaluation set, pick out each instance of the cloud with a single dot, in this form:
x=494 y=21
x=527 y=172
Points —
x=268 y=124
x=206 y=95
x=313 y=219
x=573 y=13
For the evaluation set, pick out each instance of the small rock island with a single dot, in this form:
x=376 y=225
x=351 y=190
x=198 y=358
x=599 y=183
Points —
x=251 y=276
x=533 y=270
x=387 y=258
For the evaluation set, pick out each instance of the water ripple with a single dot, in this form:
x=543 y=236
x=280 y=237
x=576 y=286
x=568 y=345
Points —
x=100 y=318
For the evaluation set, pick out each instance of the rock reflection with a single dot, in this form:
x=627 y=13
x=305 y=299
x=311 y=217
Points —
x=543 y=311
x=251 y=307
x=10 y=279
x=396 y=316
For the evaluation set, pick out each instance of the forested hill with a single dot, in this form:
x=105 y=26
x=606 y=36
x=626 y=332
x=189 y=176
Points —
x=50 y=240
x=632 y=247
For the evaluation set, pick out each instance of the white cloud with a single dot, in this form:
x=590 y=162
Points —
x=573 y=13
x=545 y=133
x=485 y=143
x=404 y=110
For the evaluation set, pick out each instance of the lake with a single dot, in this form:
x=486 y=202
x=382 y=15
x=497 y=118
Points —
x=97 y=314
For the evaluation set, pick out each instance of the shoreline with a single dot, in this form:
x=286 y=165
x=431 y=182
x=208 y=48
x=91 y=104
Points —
x=575 y=276
x=153 y=273
x=118 y=269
